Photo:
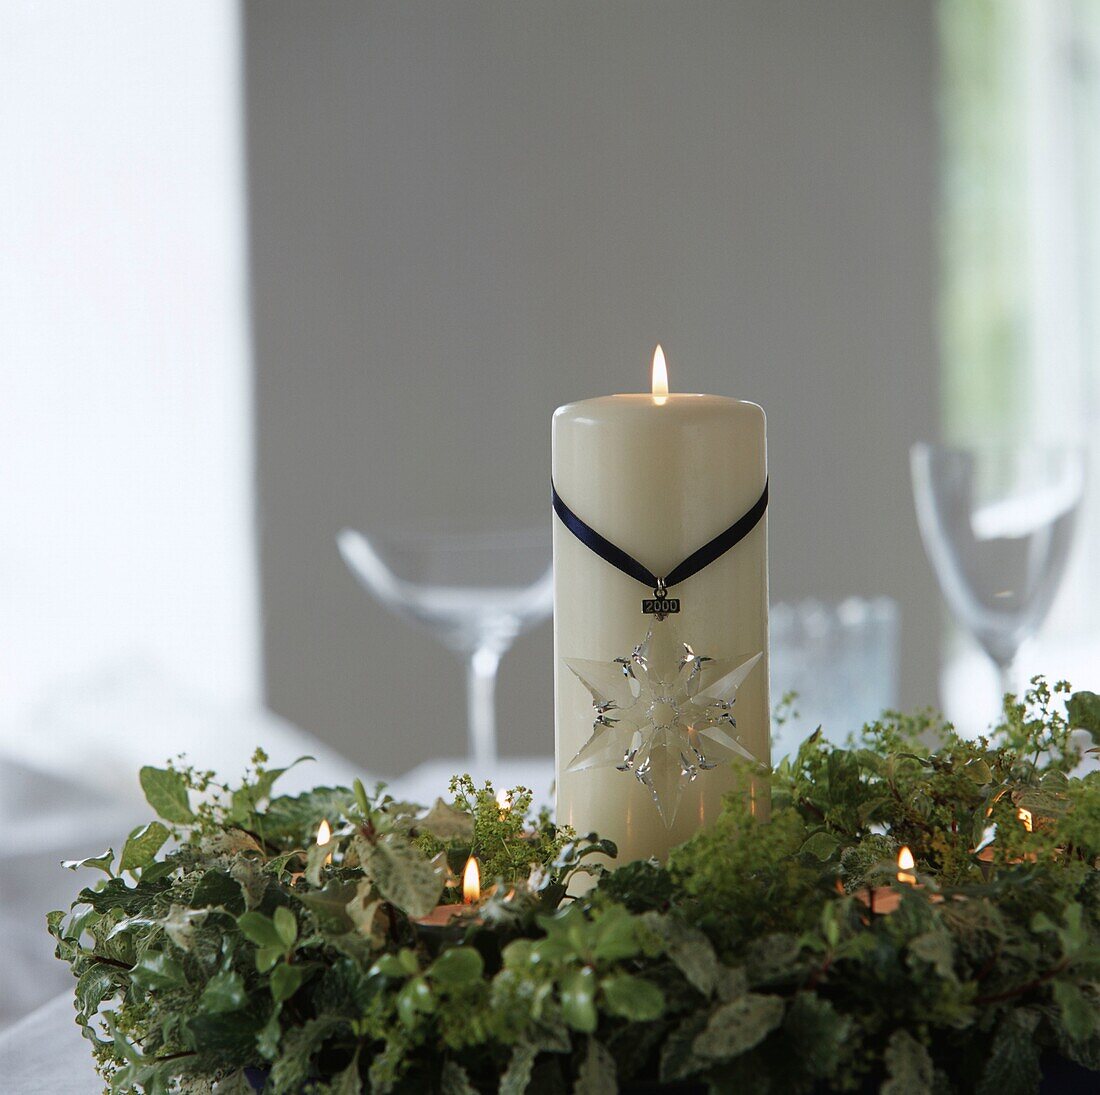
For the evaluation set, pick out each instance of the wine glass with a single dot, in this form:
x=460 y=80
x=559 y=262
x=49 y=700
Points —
x=475 y=592
x=997 y=525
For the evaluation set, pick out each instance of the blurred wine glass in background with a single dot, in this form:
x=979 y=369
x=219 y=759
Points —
x=476 y=593
x=997 y=525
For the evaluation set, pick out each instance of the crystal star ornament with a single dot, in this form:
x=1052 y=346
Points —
x=664 y=713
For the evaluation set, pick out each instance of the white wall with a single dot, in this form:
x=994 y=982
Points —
x=125 y=432
x=465 y=214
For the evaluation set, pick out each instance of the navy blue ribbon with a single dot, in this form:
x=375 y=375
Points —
x=694 y=563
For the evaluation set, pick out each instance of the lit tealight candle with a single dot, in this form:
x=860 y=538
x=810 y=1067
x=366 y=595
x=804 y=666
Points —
x=886 y=899
x=324 y=835
x=471 y=882
x=906 y=863
x=454 y=918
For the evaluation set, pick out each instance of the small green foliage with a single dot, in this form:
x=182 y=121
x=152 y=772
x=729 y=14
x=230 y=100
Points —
x=225 y=938
x=507 y=841
x=166 y=791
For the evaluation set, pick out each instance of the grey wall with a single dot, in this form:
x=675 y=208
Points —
x=465 y=214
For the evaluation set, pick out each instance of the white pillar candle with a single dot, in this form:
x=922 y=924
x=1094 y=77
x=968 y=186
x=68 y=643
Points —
x=658 y=475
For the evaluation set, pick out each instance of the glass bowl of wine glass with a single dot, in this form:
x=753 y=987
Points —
x=475 y=592
x=997 y=524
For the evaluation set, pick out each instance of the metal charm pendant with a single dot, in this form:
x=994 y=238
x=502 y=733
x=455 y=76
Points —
x=660 y=604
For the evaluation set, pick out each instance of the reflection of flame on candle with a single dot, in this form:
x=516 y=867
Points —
x=906 y=863
x=660 y=376
x=1026 y=818
x=324 y=835
x=471 y=882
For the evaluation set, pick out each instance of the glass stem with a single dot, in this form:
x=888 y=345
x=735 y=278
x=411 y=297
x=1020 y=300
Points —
x=1006 y=679
x=481 y=682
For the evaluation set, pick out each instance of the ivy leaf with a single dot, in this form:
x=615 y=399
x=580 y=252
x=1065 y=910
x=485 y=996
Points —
x=182 y=923
x=518 y=1073
x=447 y=823
x=247 y=798
x=458 y=966
x=1012 y=1064
x=633 y=998
x=166 y=792
x=415 y=998
x=217 y=890
x=101 y=862
x=453 y=1080
x=1073 y=936
x=259 y=929
x=249 y=875
x=224 y=992
x=230 y=842
x=1079 y=1017
x=291 y=1070
x=295 y=818
x=977 y=769
x=821 y=845
x=908 y=1066
x=689 y=949
x=115 y=894
x=937 y=949
x=157 y=970
x=317 y=858
x=286 y=926
x=678 y=1057
x=236 y=1083
x=403 y=876
x=395 y=965
x=141 y=846
x=330 y=905
x=267 y=958
x=730 y=983
x=362 y=910
x=773 y=958
x=597 y=1074
x=578 y=1000
x=269 y=1035
x=1083 y=712
x=96 y=984
x=347 y=1081
x=285 y=981
x=739 y=1025
x=615 y=935
x=818 y=1030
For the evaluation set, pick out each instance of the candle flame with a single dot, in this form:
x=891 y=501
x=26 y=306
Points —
x=1026 y=818
x=471 y=882
x=906 y=863
x=660 y=376
x=324 y=835
x=504 y=800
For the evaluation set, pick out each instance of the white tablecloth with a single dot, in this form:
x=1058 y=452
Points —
x=45 y=1054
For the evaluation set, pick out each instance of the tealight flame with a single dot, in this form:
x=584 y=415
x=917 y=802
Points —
x=1026 y=818
x=504 y=800
x=471 y=882
x=660 y=376
x=906 y=863
x=324 y=835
